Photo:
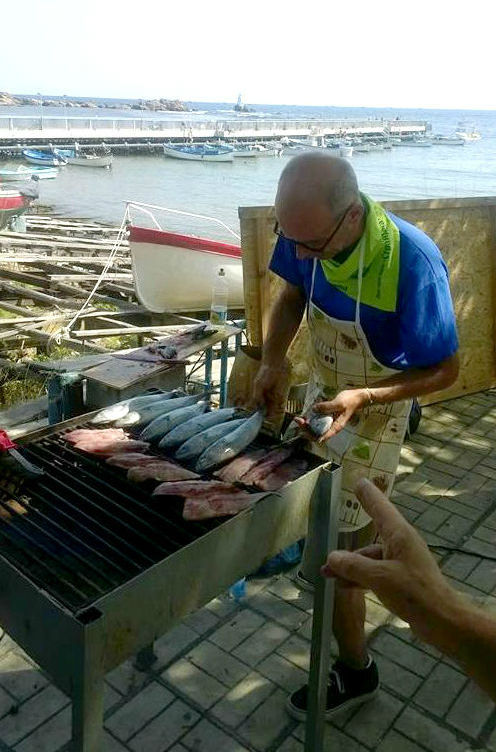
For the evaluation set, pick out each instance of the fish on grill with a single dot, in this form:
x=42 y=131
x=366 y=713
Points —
x=235 y=469
x=150 y=412
x=232 y=444
x=269 y=463
x=130 y=419
x=196 y=425
x=94 y=434
x=283 y=474
x=162 y=470
x=165 y=423
x=130 y=459
x=194 y=488
x=119 y=410
x=107 y=449
x=196 y=445
x=216 y=505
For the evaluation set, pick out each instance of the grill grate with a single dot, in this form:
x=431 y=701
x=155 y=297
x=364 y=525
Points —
x=83 y=529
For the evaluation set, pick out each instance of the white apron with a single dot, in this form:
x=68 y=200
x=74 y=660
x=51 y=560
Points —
x=370 y=444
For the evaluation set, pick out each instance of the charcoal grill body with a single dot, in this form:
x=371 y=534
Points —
x=77 y=646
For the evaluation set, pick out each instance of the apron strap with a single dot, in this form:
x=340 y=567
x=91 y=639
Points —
x=311 y=287
x=359 y=292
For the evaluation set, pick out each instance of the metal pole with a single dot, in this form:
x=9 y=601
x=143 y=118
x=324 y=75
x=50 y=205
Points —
x=323 y=520
x=208 y=369
x=224 y=351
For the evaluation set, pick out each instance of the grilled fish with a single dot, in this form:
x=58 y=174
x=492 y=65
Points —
x=196 y=425
x=94 y=434
x=217 y=505
x=120 y=409
x=150 y=412
x=164 y=423
x=231 y=444
x=283 y=474
x=130 y=459
x=268 y=464
x=194 y=488
x=160 y=470
x=111 y=447
x=235 y=469
x=196 y=445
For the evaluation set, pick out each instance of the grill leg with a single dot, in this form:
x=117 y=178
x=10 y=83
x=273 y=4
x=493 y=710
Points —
x=323 y=525
x=87 y=677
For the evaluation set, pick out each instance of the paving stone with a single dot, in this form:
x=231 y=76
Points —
x=205 y=737
x=19 y=676
x=7 y=703
x=218 y=663
x=283 y=672
x=411 y=486
x=376 y=613
x=451 y=504
x=485 y=534
x=428 y=733
x=201 y=621
x=223 y=606
x=483 y=576
x=487 y=472
x=288 y=616
x=410 y=502
x=242 y=699
x=305 y=630
x=431 y=519
x=285 y=588
x=165 y=729
x=395 y=677
x=126 y=679
x=455 y=528
x=132 y=716
x=335 y=740
x=296 y=650
x=259 y=645
x=374 y=719
x=110 y=697
x=404 y=654
x=491 y=521
x=50 y=736
x=446 y=468
x=173 y=643
x=491 y=742
x=459 y=566
x=395 y=742
x=470 y=711
x=468 y=491
x=291 y=744
x=31 y=714
x=468 y=460
x=267 y=723
x=440 y=689
x=237 y=629
x=194 y=683
x=112 y=745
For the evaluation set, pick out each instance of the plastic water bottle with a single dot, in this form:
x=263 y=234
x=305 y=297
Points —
x=220 y=292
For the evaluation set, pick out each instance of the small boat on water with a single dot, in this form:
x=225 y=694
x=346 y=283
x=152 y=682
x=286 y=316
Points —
x=75 y=157
x=199 y=152
x=15 y=202
x=440 y=140
x=175 y=272
x=417 y=141
x=465 y=135
x=25 y=173
x=45 y=158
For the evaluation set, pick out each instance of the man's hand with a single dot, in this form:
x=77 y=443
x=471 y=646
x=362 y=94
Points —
x=402 y=572
x=265 y=386
x=342 y=408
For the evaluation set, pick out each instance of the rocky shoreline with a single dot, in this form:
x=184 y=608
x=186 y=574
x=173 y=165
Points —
x=152 y=105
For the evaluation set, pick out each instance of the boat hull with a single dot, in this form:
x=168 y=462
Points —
x=11 y=204
x=176 y=272
x=25 y=173
x=42 y=158
x=198 y=157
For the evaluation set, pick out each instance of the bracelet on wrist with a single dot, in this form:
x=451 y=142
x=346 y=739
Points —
x=370 y=395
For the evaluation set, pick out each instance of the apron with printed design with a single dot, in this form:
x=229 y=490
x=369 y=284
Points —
x=370 y=443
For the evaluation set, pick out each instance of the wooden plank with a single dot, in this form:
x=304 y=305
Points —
x=28 y=293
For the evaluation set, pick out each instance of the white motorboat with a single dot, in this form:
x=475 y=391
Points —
x=199 y=152
x=25 y=173
x=440 y=140
x=419 y=142
x=175 y=272
x=473 y=135
x=75 y=157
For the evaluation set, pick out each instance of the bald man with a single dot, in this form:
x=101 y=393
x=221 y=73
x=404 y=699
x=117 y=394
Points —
x=375 y=293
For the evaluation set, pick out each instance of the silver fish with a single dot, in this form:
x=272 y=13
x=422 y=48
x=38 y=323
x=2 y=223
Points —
x=195 y=425
x=231 y=444
x=160 y=407
x=130 y=419
x=319 y=424
x=119 y=410
x=169 y=420
x=197 y=444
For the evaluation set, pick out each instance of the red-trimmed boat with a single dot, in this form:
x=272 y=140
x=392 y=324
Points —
x=14 y=202
x=175 y=272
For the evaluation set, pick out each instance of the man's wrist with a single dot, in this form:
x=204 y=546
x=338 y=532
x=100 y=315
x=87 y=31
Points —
x=446 y=622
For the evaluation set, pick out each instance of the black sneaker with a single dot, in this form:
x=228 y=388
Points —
x=347 y=688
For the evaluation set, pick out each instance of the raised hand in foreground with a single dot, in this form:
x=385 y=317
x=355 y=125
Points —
x=404 y=575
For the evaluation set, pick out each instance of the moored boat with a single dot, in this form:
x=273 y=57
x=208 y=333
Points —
x=174 y=272
x=15 y=202
x=199 y=152
x=25 y=173
x=440 y=140
x=73 y=157
x=36 y=157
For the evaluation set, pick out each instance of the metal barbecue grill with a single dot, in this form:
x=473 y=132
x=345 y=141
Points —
x=93 y=568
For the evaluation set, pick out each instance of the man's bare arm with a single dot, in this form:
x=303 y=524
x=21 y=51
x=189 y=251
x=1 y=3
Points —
x=285 y=319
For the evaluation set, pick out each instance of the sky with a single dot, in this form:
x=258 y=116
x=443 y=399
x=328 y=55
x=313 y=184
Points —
x=362 y=53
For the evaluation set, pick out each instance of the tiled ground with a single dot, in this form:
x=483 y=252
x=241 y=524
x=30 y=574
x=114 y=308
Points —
x=221 y=678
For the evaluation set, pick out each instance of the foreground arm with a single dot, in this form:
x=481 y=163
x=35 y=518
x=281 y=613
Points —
x=404 y=575
x=411 y=383
x=285 y=318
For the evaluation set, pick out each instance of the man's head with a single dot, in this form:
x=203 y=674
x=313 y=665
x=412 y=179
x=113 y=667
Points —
x=318 y=205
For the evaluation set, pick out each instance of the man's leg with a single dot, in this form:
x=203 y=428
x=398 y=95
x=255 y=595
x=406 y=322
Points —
x=349 y=626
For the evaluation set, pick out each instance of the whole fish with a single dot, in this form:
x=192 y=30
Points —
x=319 y=424
x=231 y=444
x=118 y=410
x=150 y=412
x=172 y=418
x=196 y=445
x=130 y=419
x=195 y=425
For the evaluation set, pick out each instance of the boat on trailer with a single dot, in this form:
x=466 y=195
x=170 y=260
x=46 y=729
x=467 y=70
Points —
x=75 y=157
x=174 y=272
x=45 y=158
x=25 y=173
x=199 y=152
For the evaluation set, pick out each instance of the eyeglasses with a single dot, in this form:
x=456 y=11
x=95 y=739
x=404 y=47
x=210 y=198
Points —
x=314 y=249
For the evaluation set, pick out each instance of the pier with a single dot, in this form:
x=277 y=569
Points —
x=133 y=134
